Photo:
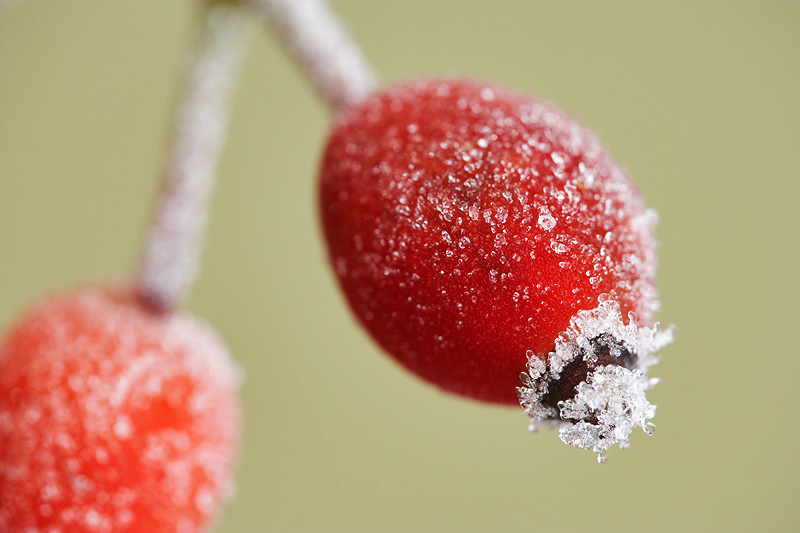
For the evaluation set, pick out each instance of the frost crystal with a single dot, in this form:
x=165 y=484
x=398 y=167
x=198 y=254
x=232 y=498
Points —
x=609 y=402
x=615 y=398
x=546 y=220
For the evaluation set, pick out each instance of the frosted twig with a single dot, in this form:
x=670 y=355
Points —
x=315 y=37
x=171 y=254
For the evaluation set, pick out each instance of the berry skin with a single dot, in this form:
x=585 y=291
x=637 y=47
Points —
x=469 y=227
x=114 y=419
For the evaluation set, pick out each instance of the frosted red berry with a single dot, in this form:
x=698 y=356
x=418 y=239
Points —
x=114 y=419
x=469 y=225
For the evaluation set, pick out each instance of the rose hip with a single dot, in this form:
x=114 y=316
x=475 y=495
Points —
x=113 y=418
x=473 y=230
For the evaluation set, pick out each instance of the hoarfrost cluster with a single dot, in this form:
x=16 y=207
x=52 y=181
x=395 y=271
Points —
x=611 y=401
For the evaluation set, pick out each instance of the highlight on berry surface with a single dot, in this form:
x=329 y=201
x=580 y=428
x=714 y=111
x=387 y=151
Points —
x=478 y=233
x=113 y=418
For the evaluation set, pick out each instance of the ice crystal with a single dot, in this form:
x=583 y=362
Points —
x=606 y=406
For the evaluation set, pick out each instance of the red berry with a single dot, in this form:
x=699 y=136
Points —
x=114 y=419
x=468 y=227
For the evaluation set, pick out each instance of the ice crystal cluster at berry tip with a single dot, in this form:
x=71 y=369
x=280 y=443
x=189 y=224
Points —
x=478 y=233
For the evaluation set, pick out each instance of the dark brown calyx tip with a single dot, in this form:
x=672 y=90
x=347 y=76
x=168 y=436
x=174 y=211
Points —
x=606 y=351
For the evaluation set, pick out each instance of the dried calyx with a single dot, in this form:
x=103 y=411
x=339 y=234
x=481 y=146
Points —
x=604 y=352
x=592 y=386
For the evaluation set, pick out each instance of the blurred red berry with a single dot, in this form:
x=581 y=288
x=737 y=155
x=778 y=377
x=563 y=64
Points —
x=114 y=419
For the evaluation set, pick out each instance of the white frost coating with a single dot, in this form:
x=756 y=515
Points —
x=169 y=265
x=611 y=402
x=317 y=40
x=615 y=397
x=546 y=220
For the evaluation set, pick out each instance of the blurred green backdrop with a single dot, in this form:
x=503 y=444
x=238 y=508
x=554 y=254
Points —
x=699 y=100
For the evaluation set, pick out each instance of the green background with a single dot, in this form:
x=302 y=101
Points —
x=699 y=100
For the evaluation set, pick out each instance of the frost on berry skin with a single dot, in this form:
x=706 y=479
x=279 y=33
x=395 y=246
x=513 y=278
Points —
x=113 y=419
x=469 y=226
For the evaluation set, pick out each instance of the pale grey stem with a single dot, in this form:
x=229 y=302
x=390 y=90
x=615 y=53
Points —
x=172 y=250
x=317 y=40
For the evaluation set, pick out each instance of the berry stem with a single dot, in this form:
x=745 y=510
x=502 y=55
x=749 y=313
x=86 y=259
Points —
x=172 y=249
x=315 y=37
